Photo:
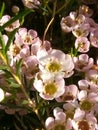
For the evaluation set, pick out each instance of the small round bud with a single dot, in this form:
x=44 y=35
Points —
x=15 y=9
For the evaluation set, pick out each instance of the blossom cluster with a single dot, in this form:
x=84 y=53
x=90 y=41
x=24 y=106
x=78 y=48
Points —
x=51 y=68
x=79 y=111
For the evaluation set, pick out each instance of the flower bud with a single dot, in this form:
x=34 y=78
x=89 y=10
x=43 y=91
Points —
x=15 y=9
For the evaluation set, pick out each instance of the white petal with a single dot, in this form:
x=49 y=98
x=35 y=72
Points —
x=49 y=123
x=1 y=94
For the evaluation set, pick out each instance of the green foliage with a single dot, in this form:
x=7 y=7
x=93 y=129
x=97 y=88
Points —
x=2 y=43
x=18 y=67
x=2 y=10
x=11 y=38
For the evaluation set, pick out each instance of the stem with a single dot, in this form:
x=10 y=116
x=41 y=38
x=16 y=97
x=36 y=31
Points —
x=21 y=122
x=47 y=29
x=51 y=21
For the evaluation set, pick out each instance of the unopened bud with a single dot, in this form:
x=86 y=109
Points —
x=15 y=9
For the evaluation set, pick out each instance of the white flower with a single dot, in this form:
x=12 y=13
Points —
x=83 y=62
x=1 y=94
x=50 y=89
x=55 y=63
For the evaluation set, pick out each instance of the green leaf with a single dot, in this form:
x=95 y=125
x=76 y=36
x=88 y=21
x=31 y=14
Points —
x=2 y=10
x=15 y=85
x=25 y=102
x=11 y=38
x=2 y=43
x=17 y=17
x=12 y=83
x=18 y=66
x=3 y=67
x=5 y=71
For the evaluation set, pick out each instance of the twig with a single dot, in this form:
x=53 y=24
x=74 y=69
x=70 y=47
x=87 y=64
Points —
x=51 y=21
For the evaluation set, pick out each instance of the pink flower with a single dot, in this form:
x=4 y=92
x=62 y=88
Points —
x=81 y=30
x=67 y=24
x=12 y=26
x=85 y=10
x=59 y=121
x=94 y=37
x=70 y=107
x=25 y=37
x=69 y=96
x=82 y=44
x=17 y=52
x=83 y=121
x=92 y=23
x=31 y=3
x=83 y=84
x=24 y=51
x=83 y=62
x=92 y=77
x=78 y=19
x=36 y=46
x=87 y=100
x=30 y=66
x=4 y=19
x=47 y=45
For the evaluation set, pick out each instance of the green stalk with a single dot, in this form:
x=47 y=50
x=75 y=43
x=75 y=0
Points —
x=51 y=21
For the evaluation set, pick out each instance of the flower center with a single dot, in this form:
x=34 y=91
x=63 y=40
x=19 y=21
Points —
x=79 y=19
x=67 y=97
x=69 y=114
x=80 y=32
x=86 y=105
x=53 y=67
x=82 y=45
x=11 y=26
x=83 y=125
x=68 y=23
x=28 y=39
x=94 y=80
x=15 y=50
x=59 y=127
x=50 y=89
x=81 y=64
